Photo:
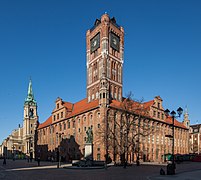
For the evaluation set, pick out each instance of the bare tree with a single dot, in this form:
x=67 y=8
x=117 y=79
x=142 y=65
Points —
x=127 y=124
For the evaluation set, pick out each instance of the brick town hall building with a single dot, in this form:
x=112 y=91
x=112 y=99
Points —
x=121 y=127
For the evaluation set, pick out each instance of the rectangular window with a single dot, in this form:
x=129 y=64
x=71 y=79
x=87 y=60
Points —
x=154 y=113
x=57 y=116
x=64 y=126
x=98 y=157
x=68 y=124
x=158 y=114
x=61 y=114
x=98 y=125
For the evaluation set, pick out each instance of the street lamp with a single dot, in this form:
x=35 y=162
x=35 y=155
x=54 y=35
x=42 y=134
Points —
x=173 y=115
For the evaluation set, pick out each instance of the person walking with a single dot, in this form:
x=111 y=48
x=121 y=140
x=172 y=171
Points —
x=38 y=160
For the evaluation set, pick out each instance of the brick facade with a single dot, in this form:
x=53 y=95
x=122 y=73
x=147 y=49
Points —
x=102 y=109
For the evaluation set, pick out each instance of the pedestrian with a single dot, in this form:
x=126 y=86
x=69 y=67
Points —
x=38 y=161
x=4 y=159
x=125 y=164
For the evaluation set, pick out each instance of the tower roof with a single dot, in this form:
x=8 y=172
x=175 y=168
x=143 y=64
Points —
x=30 y=95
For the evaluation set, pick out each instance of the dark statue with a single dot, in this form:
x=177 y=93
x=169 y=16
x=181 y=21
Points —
x=89 y=135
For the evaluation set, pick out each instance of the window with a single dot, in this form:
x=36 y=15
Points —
x=54 y=117
x=60 y=127
x=73 y=124
x=85 y=138
x=98 y=125
x=61 y=114
x=57 y=116
x=162 y=116
x=98 y=157
x=154 y=113
x=57 y=105
x=68 y=124
x=158 y=114
x=85 y=128
x=79 y=130
x=159 y=105
x=64 y=126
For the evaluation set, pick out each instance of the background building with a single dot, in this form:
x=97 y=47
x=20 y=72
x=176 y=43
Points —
x=122 y=128
x=21 y=142
x=195 y=139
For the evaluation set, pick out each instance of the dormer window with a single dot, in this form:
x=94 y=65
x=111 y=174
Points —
x=57 y=105
x=154 y=113
x=159 y=105
x=158 y=114
x=162 y=116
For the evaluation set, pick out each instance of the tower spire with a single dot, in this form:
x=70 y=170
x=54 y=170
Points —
x=30 y=94
x=186 y=120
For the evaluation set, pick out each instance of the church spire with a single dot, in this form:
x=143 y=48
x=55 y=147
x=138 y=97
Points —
x=186 y=113
x=30 y=95
x=186 y=120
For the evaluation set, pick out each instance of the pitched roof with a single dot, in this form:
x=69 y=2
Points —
x=176 y=123
x=84 y=106
x=77 y=108
x=68 y=105
x=146 y=106
x=46 y=123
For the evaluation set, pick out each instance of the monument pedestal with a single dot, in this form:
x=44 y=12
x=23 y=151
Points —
x=88 y=151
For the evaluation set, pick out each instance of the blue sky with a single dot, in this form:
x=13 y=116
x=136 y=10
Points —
x=45 y=39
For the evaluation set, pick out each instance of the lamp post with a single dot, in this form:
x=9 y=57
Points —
x=173 y=115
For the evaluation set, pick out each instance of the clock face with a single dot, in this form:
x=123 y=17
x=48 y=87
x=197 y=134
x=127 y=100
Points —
x=95 y=42
x=114 y=41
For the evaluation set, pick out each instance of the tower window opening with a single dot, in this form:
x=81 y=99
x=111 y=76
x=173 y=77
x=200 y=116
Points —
x=103 y=95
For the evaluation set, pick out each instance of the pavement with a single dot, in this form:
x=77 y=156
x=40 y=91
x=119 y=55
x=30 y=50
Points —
x=23 y=170
x=184 y=171
x=192 y=175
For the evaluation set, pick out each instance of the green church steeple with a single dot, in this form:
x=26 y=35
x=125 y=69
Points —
x=30 y=95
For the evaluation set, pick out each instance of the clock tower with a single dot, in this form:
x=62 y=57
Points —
x=105 y=50
x=30 y=122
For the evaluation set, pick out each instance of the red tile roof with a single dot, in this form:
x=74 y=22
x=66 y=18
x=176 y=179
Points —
x=68 y=105
x=46 y=123
x=146 y=106
x=176 y=123
x=77 y=108
x=83 y=106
